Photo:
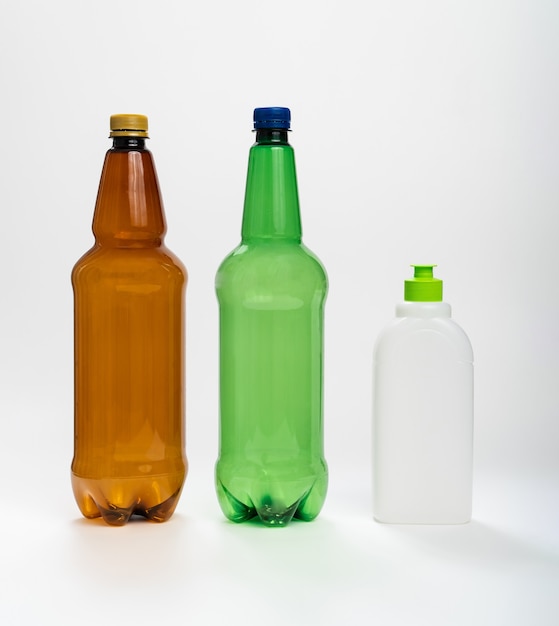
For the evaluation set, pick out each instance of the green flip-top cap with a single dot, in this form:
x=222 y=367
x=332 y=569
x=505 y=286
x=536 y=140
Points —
x=423 y=287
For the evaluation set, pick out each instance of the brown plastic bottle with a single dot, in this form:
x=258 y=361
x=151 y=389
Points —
x=129 y=439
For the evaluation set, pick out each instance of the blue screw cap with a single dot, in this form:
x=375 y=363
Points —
x=272 y=117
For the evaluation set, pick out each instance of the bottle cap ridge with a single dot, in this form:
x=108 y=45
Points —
x=129 y=125
x=272 y=117
x=423 y=287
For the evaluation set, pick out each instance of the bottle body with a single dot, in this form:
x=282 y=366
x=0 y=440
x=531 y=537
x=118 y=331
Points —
x=271 y=463
x=271 y=292
x=129 y=440
x=423 y=418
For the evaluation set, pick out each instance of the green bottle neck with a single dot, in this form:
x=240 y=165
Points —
x=271 y=208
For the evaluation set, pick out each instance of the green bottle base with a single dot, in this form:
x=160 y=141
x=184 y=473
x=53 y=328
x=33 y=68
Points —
x=274 y=504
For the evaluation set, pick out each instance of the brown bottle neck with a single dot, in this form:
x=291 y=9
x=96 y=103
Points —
x=129 y=210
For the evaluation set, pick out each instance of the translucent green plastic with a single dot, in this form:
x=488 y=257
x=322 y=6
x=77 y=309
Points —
x=271 y=292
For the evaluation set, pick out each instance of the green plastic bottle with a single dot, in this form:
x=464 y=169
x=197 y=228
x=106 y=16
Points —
x=271 y=291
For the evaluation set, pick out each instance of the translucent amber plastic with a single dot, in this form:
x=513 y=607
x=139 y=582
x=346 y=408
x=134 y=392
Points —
x=129 y=442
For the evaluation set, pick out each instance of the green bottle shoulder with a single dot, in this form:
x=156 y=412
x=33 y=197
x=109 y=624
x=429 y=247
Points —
x=277 y=263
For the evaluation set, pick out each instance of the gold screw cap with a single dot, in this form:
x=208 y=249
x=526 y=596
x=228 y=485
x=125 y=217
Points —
x=129 y=125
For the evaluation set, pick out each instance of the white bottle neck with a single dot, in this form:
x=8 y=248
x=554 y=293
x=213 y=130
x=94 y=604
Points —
x=423 y=309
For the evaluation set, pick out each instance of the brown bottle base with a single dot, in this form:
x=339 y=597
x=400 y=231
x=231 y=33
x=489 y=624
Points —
x=116 y=500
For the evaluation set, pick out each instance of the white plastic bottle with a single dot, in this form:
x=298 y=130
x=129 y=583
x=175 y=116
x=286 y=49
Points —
x=423 y=411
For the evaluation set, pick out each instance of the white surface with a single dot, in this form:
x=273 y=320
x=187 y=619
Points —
x=424 y=132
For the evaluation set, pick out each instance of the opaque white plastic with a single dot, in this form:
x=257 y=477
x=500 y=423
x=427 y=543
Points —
x=423 y=418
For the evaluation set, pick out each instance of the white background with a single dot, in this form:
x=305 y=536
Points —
x=424 y=132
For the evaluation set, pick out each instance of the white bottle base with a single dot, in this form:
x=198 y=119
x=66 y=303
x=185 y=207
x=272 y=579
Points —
x=422 y=522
